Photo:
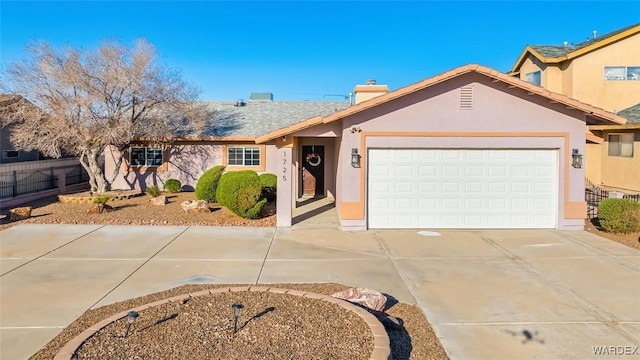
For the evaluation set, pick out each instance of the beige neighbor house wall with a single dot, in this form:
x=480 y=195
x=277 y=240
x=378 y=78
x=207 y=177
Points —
x=589 y=85
x=593 y=165
x=551 y=75
x=618 y=171
x=582 y=78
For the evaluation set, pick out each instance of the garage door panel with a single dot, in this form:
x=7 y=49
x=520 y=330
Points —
x=462 y=188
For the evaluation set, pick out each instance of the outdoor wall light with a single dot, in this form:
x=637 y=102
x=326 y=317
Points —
x=576 y=159
x=237 y=310
x=355 y=158
x=131 y=318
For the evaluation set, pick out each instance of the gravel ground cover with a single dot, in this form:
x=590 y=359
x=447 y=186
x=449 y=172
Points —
x=296 y=328
x=138 y=211
x=631 y=240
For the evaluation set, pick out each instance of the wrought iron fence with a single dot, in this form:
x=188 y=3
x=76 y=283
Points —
x=76 y=176
x=635 y=197
x=594 y=195
x=17 y=183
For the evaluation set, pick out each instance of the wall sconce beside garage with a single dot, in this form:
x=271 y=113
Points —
x=576 y=159
x=355 y=158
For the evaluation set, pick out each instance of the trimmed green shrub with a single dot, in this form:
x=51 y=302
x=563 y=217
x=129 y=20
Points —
x=619 y=215
x=153 y=191
x=208 y=184
x=269 y=186
x=172 y=185
x=101 y=199
x=241 y=192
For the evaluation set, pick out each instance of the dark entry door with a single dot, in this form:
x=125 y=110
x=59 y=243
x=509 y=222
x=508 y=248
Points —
x=313 y=170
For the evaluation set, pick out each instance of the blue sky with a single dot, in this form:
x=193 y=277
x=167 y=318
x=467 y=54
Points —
x=307 y=50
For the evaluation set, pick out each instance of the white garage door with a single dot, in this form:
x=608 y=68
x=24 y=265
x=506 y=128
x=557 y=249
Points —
x=462 y=188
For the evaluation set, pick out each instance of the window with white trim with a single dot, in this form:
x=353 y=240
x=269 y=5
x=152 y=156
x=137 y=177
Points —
x=145 y=156
x=622 y=72
x=11 y=154
x=534 y=78
x=621 y=144
x=243 y=156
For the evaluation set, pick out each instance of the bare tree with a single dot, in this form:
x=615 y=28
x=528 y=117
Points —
x=77 y=102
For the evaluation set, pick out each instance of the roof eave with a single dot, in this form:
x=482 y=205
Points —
x=631 y=126
x=586 y=109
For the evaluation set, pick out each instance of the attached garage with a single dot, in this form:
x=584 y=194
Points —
x=470 y=148
x=462 y=188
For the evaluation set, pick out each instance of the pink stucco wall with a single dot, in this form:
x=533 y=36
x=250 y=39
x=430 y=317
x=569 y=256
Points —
x=185 y=162
x=496 y=109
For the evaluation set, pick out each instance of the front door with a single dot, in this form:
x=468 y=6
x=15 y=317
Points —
x=313 y=170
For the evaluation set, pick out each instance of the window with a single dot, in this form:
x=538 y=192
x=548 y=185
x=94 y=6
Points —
x=621 y=145
x=145 y=156
x=534 y=78
x=622 y=72
x=11 y=154
x=243 y=156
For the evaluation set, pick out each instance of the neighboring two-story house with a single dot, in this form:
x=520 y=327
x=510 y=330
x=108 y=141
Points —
x=603 y=71
x=9 y=153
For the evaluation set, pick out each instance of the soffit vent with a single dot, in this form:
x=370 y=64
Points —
x=466 y=98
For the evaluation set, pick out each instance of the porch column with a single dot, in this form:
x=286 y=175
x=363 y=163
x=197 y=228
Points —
x=286 y=177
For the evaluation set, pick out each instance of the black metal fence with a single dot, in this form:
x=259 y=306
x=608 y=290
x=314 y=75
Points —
x=76 y=176
x=25 y=182
x=22 y=182
x=595 y=194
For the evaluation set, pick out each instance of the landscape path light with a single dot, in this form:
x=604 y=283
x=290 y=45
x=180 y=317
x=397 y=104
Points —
x=237 y=310
x=131 y=317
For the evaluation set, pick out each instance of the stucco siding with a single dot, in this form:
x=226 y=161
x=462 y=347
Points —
x=270 y=157
x=593 y=163
x=185 y=162
x=588 y=81
x=621 y=172
x=496 y=109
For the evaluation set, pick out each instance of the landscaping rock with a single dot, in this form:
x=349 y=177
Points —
x=195 y=206
x=20 y=213
x=371 y=299
x=99 y=209
x=158 y=200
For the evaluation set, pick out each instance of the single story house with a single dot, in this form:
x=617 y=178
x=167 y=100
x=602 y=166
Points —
x=468 y=148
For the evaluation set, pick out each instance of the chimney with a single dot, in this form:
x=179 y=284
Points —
x=369 y=91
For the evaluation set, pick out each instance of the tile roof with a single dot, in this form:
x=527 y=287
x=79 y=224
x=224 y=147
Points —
x=557 y=51
x=592 y=113
x=260 y=117
x=632 y=114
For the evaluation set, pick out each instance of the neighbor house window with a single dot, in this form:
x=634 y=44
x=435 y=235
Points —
x=534 y=78
x=145 y=156
x=622 y=72
x=621 y=145
x=243 y=156
x=11 y=154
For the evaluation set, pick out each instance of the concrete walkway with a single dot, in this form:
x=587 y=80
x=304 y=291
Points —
x=489 y=294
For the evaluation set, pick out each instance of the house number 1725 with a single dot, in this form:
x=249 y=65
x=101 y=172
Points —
x=284 y=168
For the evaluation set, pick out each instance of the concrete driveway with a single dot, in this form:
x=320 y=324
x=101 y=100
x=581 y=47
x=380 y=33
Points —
x=489 y=294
